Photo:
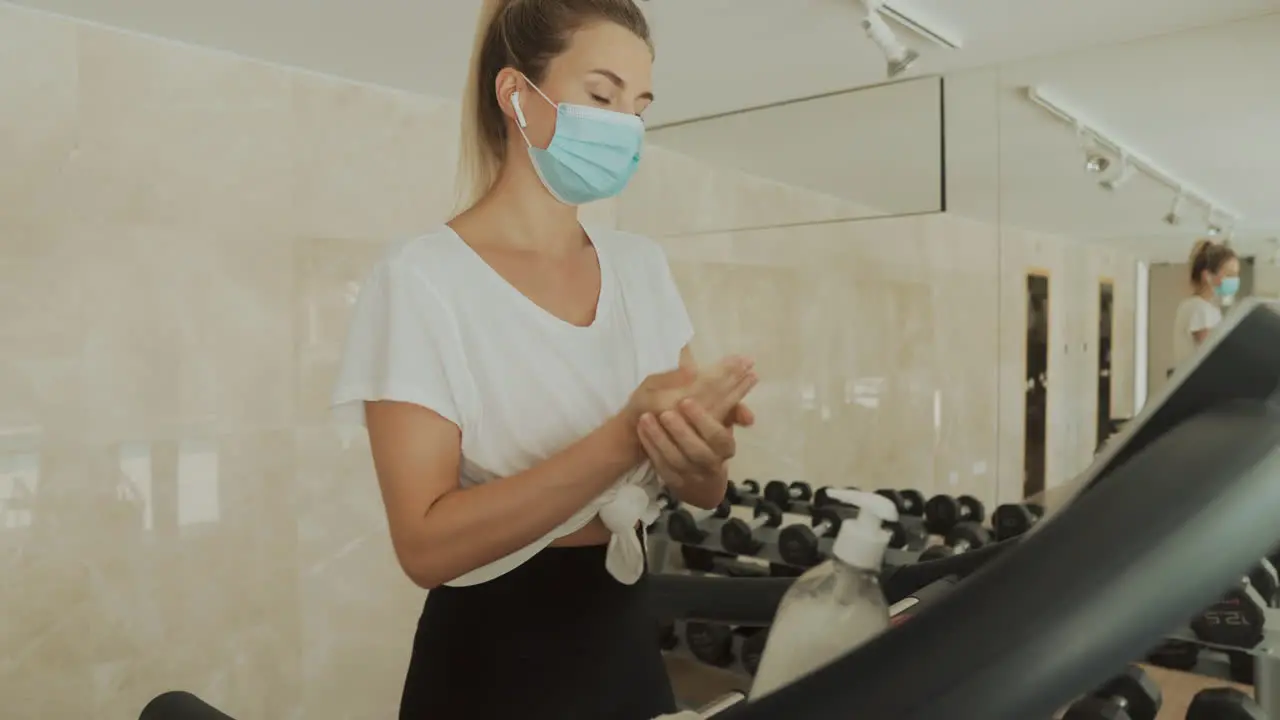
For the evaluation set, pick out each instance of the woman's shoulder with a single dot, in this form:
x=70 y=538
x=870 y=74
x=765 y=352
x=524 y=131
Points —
x=433 y=253
x=1195 y=301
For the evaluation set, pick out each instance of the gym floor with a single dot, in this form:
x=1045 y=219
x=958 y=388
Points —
x=697 y=684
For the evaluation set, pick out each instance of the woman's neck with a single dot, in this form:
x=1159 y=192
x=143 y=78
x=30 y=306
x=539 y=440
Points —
x=1206 y=292
x=521 y=214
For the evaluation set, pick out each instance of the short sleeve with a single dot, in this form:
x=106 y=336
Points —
x=675 y=314
x=401 y=345
x=1203 y=316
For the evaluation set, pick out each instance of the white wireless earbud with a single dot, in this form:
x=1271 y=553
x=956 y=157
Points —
x=515 y=102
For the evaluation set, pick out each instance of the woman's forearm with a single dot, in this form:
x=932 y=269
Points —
x=469 y=528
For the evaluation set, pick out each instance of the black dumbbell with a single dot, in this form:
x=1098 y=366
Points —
x=786 y=495
x=910 y=503
x=800 y=545
x=944 y=512
x=1175 y=655
x=1240 y=667
x=712 y=643
x=1014 y=519
x=1130 y=696
x=1235 y=621
x=745 y=494
x=685 y=526
x=1224 y=703
x=753 y=648
x=822 y=496
x=962 y=538
x=738 y=535
x=913 y=503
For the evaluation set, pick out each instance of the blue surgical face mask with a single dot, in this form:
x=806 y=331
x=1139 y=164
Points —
x=593 y=152
x=1228 y=288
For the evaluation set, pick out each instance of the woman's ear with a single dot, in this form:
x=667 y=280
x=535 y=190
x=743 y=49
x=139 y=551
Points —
x=508 y=85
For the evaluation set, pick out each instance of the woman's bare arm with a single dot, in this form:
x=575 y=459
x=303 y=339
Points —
x=440 y=531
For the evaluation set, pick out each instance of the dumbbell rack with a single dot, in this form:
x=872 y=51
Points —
x=1266 y=659
x=660 y=545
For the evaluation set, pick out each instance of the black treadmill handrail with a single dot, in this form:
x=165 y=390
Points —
x=1095 y=587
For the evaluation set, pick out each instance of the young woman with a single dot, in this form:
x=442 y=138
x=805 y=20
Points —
x=1215 y=277
x=525 y=383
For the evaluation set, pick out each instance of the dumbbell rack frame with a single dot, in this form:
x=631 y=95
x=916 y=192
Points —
x=1266 y=660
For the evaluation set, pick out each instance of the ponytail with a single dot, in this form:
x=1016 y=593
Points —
x=1199 y=249
x=479 y=157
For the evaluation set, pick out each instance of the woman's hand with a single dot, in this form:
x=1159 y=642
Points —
x=690 y=444
x=712 y=387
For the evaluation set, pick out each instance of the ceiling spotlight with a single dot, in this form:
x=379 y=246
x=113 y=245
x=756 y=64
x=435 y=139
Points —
x=1174 y=216
x=1213 y=228
x=1095 y=162
x=898 y=57
x=1122 y=176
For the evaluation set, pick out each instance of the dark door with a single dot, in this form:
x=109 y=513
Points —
x=1035 y=440
x=1106 y=319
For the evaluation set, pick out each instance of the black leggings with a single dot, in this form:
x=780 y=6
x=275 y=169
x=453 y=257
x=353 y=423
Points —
x=558 y=638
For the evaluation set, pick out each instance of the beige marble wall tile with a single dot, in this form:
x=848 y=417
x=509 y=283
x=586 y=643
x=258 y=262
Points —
x=147 y=565
x=357 y=611
x=171 y=136
x=370 y=163
x=184 y=326
x=37 y=112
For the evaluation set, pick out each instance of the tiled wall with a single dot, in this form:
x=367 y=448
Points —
x=181 y=234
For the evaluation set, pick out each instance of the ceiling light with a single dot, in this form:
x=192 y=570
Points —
x=1174 y=216
x=1095 y=162
x=1122 y=176
x=898 y=57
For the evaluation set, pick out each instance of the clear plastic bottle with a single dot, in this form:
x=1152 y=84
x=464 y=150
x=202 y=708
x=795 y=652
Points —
x=837 y=605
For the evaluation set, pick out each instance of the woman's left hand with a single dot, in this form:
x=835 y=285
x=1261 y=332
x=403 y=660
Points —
x=688 y=445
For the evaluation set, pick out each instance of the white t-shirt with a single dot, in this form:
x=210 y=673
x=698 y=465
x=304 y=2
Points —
x=1194 y=314
x=436 y=326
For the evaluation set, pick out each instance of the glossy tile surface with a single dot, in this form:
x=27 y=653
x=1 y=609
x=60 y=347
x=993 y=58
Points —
x=182 y=234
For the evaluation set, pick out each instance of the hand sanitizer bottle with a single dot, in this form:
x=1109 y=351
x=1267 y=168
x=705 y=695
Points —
x=836 y=606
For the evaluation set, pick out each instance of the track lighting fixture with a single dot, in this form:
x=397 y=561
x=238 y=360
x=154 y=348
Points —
x=1121 y=176
x=1098 y=148
x=898 y=57
x=1174 y=216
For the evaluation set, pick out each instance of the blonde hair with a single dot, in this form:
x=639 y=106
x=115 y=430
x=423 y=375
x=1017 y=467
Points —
x=525 y=35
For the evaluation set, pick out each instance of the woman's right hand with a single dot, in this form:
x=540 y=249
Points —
x=711 y=386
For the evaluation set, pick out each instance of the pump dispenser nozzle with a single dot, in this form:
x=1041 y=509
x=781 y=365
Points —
x=862 y=540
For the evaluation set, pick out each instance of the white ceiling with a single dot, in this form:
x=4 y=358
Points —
x=717 y=56
x=713 y=55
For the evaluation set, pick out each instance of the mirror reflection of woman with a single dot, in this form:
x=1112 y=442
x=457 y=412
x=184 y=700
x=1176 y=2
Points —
x=1215 y=279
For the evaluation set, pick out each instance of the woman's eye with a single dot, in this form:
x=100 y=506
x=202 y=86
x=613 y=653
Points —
x=601 y=100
